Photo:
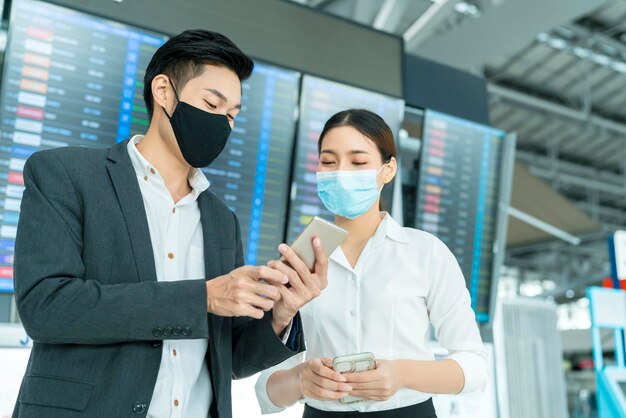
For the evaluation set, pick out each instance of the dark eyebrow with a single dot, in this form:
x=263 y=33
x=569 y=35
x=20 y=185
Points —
x=223 y=98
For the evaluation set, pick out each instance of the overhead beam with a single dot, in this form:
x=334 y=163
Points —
x=571 y=173
x=604 y=211
x=427 y=23
x=364 y=11
x=382 y=17
x=554 y=108
x=390 y=14
x=543 y=226
x=475 y=42
x=555 y=245
x=578 y=181
x=321 y=4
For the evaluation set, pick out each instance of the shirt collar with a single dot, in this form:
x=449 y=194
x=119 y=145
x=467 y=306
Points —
x=143 y=168
x=388 y=228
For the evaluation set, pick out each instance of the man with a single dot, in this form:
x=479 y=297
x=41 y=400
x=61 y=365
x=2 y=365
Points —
x=128 y=270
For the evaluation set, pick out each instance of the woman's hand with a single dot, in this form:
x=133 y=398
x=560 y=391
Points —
x=379 y=384
x=304 y=285
x=319 y=381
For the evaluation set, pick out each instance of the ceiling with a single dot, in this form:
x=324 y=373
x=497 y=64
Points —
x=557 y=76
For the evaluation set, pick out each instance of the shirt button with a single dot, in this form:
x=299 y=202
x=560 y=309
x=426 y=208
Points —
x=174 y=352
x=176 y=403
x=139 y=407
x=170 y=256
x=174 y=210
x=145 y=178
x=152 y=171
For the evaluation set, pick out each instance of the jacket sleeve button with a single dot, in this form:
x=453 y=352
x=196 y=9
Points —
x=139 y=407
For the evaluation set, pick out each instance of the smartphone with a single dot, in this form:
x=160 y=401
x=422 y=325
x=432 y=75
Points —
x=354 y=363
x=329 y=234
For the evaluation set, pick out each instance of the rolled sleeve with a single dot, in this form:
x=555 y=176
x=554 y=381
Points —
x=450 y=311
x=266 y=404
x=474 y=366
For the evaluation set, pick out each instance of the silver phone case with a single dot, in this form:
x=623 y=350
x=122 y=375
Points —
x=354 y=363
x=330 y=235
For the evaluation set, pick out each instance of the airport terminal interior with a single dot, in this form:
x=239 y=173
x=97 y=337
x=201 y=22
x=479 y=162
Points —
x=509 y=117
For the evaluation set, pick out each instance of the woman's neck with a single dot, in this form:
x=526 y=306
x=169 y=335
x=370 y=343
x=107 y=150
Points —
x=360 y=230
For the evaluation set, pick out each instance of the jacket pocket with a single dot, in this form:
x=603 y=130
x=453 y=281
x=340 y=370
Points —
x=56 y=392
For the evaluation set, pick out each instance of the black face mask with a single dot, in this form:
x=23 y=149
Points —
x=201 y=135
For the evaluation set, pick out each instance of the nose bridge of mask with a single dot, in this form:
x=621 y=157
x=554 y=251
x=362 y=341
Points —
x=350 y=177
x=347 y=179
x=362 y=179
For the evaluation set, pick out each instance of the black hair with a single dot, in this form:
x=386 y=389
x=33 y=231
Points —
x=184 y=56
x=369 y=124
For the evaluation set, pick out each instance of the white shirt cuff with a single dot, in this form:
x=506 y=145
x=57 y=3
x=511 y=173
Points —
x=474 y=368
x=287 y=332
x=266 y=404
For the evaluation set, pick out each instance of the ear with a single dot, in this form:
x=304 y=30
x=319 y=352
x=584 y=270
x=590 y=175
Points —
x=389 y=171
x=160 y=92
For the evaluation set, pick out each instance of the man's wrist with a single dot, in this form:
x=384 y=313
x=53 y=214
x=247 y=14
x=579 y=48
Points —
x=280 y=324
x=209 y=299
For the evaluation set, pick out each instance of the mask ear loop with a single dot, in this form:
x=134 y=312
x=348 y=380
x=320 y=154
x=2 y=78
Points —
x=175 y=95
x=379 y=170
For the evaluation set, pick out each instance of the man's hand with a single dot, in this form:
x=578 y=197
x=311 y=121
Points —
x=304 y=284
x=242 y=292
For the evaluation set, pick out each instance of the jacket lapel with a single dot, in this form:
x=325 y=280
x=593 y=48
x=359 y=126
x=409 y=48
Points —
x=211 y=235
x=213 y=269
x=128 y=194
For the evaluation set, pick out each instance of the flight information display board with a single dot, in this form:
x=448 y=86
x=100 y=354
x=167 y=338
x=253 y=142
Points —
x=320 y=99
x=74 y=79
x=252 y=174
x=458 y=196
x=69 y=79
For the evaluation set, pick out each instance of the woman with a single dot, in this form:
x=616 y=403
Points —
x=386 y=286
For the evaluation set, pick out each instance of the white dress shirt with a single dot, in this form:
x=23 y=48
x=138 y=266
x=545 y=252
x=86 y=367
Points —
x=183 y=386
x=404 y=281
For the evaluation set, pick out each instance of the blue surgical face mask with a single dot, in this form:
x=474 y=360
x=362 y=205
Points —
x=348 y=193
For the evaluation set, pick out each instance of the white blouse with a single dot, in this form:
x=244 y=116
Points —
x=404 y=281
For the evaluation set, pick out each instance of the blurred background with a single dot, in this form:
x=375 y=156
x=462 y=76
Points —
x=510 y=118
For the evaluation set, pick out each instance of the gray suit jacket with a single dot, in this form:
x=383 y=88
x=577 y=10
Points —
x=87 y=294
